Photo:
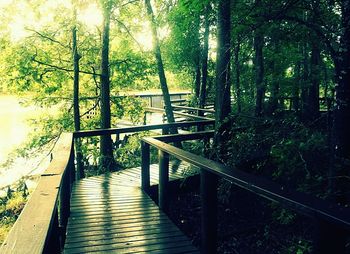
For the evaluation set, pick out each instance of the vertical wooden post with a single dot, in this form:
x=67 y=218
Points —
x=165 y=131
x=72 y=167
x=52 y=242
x=208 y=188
x=145 y=118
x=145 y=174
x=329 y=239
x=64 y=204
x=163 y=190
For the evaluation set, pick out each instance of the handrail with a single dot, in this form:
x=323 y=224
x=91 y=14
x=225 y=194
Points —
x=194 y=109
x=38 y=229
x=160 y=110
x=164 y=126
x=330 y=216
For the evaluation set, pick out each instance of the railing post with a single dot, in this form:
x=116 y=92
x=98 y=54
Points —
x=208 y=188
x=64 y=204
x=145 y=174
x=165 y=131
x=163 y=180
x=79 y=159
x=72 y=168
x=329 y=239
x=52 y=244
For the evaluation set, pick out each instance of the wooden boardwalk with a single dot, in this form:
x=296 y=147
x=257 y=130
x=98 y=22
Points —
x=110 y=213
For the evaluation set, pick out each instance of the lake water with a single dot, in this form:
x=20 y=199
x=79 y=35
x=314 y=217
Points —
x=14 y=129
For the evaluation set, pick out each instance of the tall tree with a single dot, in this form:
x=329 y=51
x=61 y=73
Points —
x=76 y=110
x=259 y=72
x=341 y=126
x=106 y=149
x=161 y=73
x=223 y=82
x=238 y=75
x=203 y=85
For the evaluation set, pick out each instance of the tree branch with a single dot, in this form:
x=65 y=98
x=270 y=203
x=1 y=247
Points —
x=128 y=32
x=62 y=68
x=319 y=32
x=48 y=38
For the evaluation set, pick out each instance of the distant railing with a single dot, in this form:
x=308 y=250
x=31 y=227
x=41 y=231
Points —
x=165 y=127
x=332 y=220
x=41 y=226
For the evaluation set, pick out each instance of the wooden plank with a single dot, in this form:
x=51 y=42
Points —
x=123 y=239
x=134 y=246
x=132 y=232
x=104 y=218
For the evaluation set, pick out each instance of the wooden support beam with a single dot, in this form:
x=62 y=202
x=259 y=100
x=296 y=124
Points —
x=145 y=174
x=163 y=190
x=208 y=188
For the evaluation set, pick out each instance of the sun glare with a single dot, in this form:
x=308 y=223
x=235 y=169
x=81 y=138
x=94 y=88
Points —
x=90 y=16
x=144 y=37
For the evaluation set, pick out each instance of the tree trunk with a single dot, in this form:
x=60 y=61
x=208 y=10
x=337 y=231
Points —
x=203 y=88
x=341 y=125
x=237 y=77
x=314 y=88
x=315 y=67
x=223 y=84
x=197 y=62
x=259 y=72
x=107 y=160
x=275 y=88
x=197 y=80
x=76 y=111
x=305 y=84
x=163 y=83
x=296 y=87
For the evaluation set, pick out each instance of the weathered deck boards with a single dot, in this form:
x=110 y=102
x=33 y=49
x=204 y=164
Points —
x=110 y=213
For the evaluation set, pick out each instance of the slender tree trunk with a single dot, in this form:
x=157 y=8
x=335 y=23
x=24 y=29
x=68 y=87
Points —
x=76 y=111
x=275 y=89
x=296 y=87
x=314 y=88
x=223 y=82
x=305 y=84
x=197 y=80
x=341 y=125
x=259 y=72
x=203 y=88
x=315 y=67
x=238 y=77
x=106 y=149
x=163 y=83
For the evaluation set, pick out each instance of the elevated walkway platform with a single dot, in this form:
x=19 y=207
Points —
x=111 y=214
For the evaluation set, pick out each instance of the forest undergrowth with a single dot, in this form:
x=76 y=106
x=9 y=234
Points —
x=294 y=154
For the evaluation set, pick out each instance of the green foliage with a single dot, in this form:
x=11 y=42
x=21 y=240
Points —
x=10 y=209
x=286 y=150
x=128 y=155
x=299 y=246
x=129 y=108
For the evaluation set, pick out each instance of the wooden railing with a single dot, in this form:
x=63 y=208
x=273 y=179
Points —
x=165 y=127
x=40 y=228
x=332 y=220
x=187 y=116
